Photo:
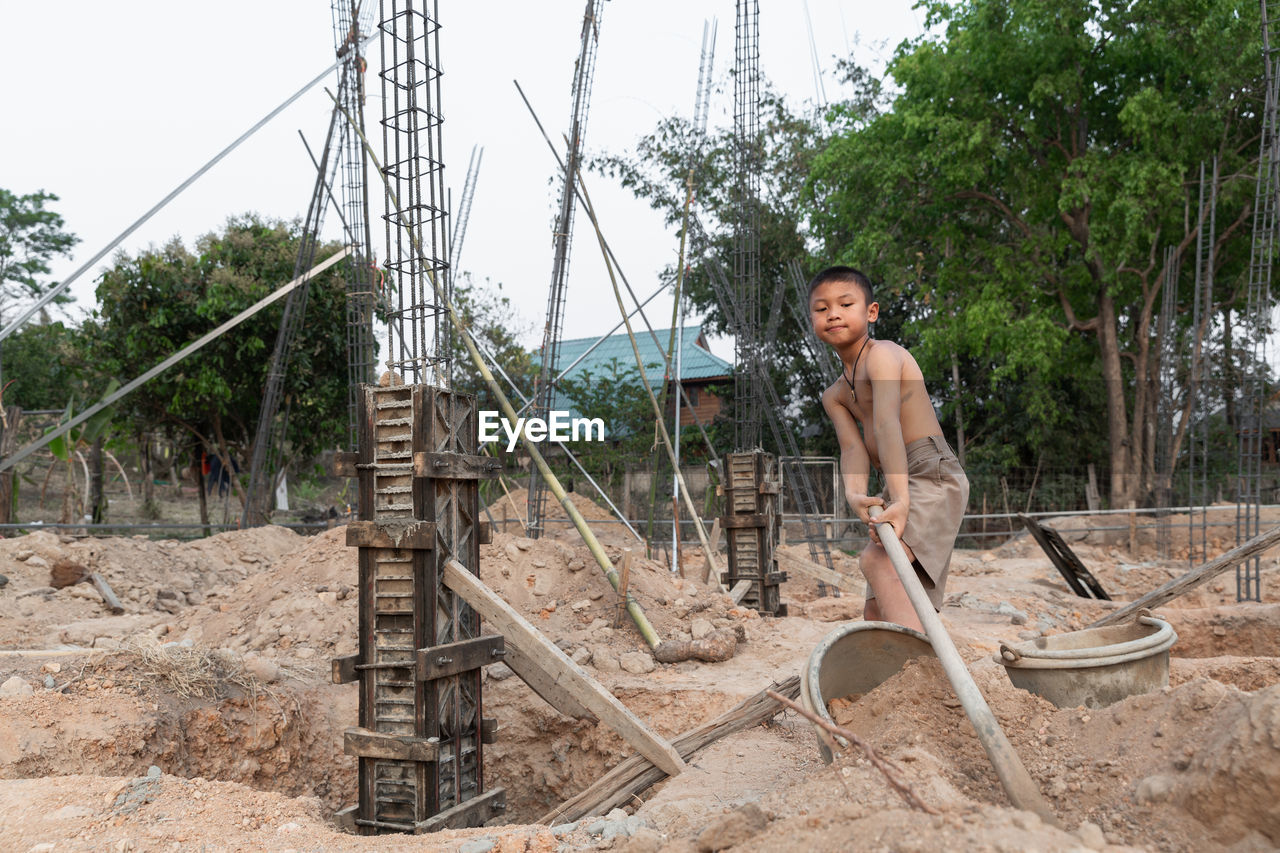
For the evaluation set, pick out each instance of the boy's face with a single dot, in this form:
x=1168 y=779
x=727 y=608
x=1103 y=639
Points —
x=840 y=313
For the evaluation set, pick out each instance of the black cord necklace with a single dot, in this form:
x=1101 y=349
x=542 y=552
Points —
x=854 y=371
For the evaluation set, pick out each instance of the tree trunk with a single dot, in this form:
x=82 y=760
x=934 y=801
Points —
x=1117 y=416
x=150 y=509
x=198 y=470
x=97 y=499
x=8 y=440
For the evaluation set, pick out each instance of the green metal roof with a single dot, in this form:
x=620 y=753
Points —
x=695 y=362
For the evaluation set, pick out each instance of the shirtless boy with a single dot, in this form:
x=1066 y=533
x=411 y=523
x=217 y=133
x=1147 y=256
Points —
x=883 y=417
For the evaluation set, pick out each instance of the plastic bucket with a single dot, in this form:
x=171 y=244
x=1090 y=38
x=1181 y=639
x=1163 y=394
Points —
x=855 y=658
x=1095 y=667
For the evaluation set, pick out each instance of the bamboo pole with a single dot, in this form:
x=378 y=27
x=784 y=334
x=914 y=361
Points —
x=588 y=536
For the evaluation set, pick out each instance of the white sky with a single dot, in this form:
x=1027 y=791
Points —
x=112 y=105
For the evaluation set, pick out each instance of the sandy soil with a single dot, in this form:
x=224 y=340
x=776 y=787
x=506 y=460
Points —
x=202 y=716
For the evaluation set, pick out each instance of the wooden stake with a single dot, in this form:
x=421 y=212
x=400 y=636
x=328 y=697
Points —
x=623 y=581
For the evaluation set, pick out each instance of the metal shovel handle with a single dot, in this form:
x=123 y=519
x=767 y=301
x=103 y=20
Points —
x=1015 y=779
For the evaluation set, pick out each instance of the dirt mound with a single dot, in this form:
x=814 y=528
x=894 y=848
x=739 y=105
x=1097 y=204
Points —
x=1188 y=768
x=153 y=579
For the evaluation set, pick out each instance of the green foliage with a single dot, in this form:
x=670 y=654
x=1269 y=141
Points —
x=1038 y=158
x=45 y=366
x=154 y=304
x=30 y=236
x=492 y=320
x=676 y=155
x=617 y=397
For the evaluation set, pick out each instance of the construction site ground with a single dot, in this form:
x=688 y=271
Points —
x=203 y=717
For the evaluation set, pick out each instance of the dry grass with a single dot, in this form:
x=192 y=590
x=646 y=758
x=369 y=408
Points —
x=191 y=671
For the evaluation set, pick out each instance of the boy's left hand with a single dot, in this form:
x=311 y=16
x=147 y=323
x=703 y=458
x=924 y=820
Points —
x=894 y=513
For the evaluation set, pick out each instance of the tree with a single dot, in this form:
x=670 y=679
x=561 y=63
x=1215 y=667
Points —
x=152 y=305
x=675 y=156
x=30 y=236
x=492 y=321
x=46 y=366
x=1038 y=158
x=618 y=398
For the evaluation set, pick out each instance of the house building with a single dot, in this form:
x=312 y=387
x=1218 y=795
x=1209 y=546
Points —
x=699 y=367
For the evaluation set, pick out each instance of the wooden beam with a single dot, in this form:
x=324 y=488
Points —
x=369 y=744
x=740 y=590
x=453 y=658
x=455 y=466
x=822 y=573
x=409 y=535
x=343 y=669
x=565 y=673
x=636 y=774
x=1194 y=578
x=734 y=522
x=345 y=462
x=714 y=539
x=466 y=814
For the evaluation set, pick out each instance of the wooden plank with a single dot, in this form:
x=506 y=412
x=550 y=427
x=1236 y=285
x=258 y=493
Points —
x=734 y=522
x=346 y=818
x=343 y=669
x=543 y=683
x=488 y=730
x=565 y=673
x=455 y=466
x=636 y=774
x=407 y=535
x=466 y=814
x=367 y=744
x=344 y=463
x=822 y=573
x=1194 y=578
x=104 y=589
x=1073 y=571
x=740 y=590
x=452 y=658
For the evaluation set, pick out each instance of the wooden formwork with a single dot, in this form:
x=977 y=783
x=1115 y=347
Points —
x=421 y=730
x=751 y=500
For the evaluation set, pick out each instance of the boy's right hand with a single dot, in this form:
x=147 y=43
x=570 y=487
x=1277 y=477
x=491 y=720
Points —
x=861 y=506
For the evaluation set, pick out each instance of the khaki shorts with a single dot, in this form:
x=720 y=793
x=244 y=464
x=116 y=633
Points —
x=939 y=493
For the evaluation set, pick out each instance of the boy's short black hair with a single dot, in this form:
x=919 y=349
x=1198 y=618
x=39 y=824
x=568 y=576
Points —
x=845 y=274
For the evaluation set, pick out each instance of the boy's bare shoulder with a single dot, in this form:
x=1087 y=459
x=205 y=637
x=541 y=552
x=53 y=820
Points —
x=833 y=395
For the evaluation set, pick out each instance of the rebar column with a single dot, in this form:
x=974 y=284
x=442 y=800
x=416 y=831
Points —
x=1200 y=409
x=419 y=742
x=1254 y=328
x=419 y=332
x=1166 y=402
x=746 y=235
x=351 y=23
x=562 y=241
